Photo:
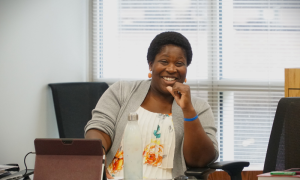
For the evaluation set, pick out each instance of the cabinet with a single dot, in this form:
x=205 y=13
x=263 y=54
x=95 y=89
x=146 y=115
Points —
x=292 y=82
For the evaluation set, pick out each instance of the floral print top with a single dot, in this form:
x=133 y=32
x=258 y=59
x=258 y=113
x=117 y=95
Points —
x=158 y=139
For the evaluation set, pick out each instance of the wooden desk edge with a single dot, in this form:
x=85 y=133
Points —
x=246 y=175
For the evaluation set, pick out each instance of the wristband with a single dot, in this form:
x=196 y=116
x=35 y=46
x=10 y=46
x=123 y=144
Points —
x=104 y=149
x=191 y=119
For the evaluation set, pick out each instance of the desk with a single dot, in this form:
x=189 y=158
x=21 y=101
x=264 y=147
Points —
x=222 y=175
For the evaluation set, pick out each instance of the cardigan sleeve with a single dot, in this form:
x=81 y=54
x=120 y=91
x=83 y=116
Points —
x=206 y=118
x=104 y=116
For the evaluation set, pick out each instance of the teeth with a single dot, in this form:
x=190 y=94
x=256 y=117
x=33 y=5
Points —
x=169 y=79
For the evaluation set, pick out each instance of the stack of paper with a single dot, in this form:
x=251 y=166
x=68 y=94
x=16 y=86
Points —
x=279 y=175
x=5 y=168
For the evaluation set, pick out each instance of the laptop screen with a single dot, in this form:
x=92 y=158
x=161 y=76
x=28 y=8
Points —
x=74 y=159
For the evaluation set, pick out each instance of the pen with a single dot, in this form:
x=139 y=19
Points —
x=282 y=173
x=103 y=167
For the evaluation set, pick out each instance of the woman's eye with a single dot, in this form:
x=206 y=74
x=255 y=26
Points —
x=164 y=62
x=179 y=64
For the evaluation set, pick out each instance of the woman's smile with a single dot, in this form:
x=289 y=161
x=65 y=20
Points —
x=169 y=81
x=169 y=78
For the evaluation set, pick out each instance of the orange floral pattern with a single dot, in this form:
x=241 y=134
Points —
x=117 y=163
x=152 y=153
x=151 y=156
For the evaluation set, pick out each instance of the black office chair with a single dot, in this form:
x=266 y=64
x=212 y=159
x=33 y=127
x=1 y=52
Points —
x=284 y=144
x=73 y=103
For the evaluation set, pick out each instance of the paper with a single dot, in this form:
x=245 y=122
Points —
x=2 y=172
x=4 y=167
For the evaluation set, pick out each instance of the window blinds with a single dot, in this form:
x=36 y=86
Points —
x=240 y=50
x=126 y=29
x=256 y=41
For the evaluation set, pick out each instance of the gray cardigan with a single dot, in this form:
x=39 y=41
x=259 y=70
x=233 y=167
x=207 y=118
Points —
x=123 y=97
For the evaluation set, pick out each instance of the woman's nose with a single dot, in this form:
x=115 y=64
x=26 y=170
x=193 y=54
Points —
x=171 y=68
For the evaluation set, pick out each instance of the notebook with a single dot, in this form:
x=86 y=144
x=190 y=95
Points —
x=64 y=159
x=268 y=176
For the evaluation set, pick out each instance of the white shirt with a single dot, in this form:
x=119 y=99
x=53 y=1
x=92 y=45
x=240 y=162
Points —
x=158 y=139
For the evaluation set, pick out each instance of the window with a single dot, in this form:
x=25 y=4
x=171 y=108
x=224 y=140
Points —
x=240 y=50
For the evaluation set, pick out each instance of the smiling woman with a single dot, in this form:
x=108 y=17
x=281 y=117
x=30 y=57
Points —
x=168 y=67
x=178 y=130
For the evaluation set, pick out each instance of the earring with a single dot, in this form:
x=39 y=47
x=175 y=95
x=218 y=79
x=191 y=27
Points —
x=149 y=75
x=185 y=80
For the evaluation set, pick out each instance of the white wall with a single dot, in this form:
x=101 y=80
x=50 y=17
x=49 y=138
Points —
x=41 y=42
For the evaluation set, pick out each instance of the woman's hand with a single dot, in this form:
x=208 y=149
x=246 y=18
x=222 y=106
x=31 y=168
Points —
x=106 y=142
x=108 y=176
x=182 y=95
x=198 y=149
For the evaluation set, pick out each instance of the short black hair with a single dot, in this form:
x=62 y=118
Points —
x=169 y=37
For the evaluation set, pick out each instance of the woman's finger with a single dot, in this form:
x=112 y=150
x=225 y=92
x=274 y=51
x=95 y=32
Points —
x=180 y=88
x=170 y=89
x=175 y=94
x=108 y=176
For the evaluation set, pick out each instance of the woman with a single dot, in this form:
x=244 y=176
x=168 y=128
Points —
x=178 y=131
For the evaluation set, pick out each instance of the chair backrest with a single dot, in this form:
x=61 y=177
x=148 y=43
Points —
x=73 y=103
x=284 y=144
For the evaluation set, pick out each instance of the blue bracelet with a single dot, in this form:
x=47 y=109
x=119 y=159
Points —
x=192 y=119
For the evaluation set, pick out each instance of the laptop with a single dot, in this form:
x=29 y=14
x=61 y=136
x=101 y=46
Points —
x=68 y=159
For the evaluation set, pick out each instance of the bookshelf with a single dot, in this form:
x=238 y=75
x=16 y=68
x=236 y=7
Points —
x=292 y=82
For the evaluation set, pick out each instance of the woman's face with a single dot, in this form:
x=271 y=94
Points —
x=169 y=66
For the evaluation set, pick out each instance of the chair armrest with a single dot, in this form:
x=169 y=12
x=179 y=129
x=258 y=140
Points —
x=199 y=173
x=229 y=165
